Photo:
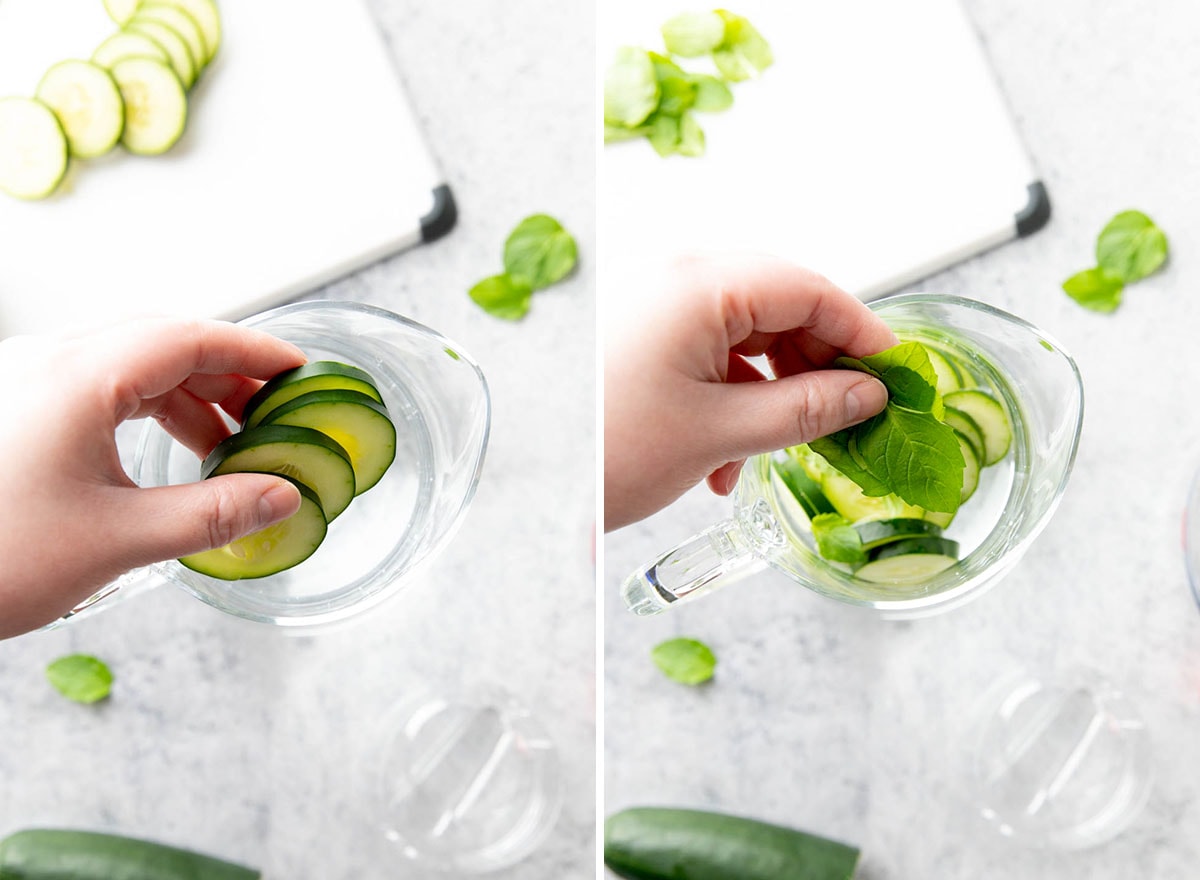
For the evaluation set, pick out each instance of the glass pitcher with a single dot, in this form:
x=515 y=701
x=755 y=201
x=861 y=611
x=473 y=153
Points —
x=438 y=399
x=1041 y=390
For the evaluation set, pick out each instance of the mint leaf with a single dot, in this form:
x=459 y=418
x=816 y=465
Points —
x=503 y=296
x=686 y=661
x=907 y=372
x=1097 y=289
x=630 y=88
x=693 y=34
x=540 y=251
x=676 y=90
x=919 y=454
x=835 y=449
x=743 y=53
x=1131 y=246
x=837 y=539
x=664 y=134
x=712 y=95
x=80 y=677
x=691 y=136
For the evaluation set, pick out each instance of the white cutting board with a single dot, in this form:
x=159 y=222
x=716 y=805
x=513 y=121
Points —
x=302 y=161
x=876 y=150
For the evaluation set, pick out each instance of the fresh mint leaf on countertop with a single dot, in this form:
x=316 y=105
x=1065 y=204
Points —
x=1129 y=248
x=540 y=251
x=80 y=677
x=1097 y=289
x=537 y=253
x=686 y=661
x=837 y=539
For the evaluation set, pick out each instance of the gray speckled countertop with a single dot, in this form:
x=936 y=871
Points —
x=828 y=719
x=235 y=739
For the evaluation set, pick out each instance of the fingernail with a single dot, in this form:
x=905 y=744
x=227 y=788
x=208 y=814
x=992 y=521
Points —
x=278 y=503
x=864 y=399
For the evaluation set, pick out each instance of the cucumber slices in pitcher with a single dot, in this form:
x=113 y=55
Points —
x=108 y=100
x=335 y=443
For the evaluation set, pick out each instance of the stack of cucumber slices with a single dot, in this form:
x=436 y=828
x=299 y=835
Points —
x=324 y=427
x=132 y=91
x=902 y=543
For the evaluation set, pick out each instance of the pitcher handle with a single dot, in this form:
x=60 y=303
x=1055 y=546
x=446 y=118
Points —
x=717 y=556
x=126 y=586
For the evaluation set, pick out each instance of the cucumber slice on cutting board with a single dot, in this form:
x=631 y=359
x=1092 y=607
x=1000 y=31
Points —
x=174 y=45
x=121 y=11
x=33 y=149
x=61 y=854
x=300 y=453
x=358 y=422
x=274 y=549
x=181 y=23
x=155 y=105
x=314 y=376
x=202 y=12
x=660 y=843
x=88 y=105
x=991 y=419
x=126 y=44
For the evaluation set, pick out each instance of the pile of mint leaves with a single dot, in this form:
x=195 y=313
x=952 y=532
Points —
x=1129 y=248
x=906 y=450
x=648 y=94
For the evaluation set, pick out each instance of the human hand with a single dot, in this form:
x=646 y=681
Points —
x=682 y=403
x=73 y=519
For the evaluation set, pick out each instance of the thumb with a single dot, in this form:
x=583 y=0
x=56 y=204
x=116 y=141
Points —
x=764 y=416
x=174 y=521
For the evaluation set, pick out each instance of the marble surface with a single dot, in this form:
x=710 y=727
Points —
x=235 y=739
x=828 y=719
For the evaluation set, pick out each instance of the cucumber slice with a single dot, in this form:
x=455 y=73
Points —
x=356 y=421
x=301 y=454
x=33 y=149
x=55 y=854
x=804 y=488
x=274 y=549
x=948 y=376
x=971 y=468
x=181 y=23
x=966 y=428
x=876 y=533
x=155 y=105
x=88 y=105
x=910 y=560
x=126 y=44
x=315 y=376
x=205 y=14
x=177 y=50
x=990 y=417
x=121 y=11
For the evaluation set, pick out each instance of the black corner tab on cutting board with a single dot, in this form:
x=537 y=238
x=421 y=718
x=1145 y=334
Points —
x=441 y=217
x=1036 y=212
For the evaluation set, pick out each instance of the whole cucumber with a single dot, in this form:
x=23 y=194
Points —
x=53 y=854
x=658 y=843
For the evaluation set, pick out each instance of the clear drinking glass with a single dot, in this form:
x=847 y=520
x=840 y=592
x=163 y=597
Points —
x=438 y=399
x=1043 y=393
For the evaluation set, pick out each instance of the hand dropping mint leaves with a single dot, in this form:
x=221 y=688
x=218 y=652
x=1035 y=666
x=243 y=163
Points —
x=1128 y=249
x=906 y=450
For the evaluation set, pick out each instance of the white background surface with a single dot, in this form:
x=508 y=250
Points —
x=826 y=719
x=236 y=740
x=301 y=160
x=877 y=146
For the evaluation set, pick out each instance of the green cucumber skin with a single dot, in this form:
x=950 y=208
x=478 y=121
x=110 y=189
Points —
x=317 y=369
x=53 y=854
x=659 y=843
